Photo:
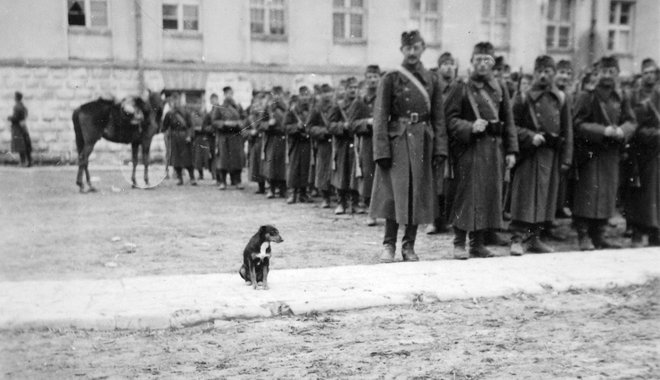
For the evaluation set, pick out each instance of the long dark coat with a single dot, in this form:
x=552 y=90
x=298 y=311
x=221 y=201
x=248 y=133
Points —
x=478 y=161
x=20 y=138
x=318 y=131
x=254 y=138
x=643 y=206
x=230 y=154
x=361 y=123
x=180 y=128
x=406 y=192
x=535 y=185
x=343 y=153
x=597 y=157
x=274 y=148
x=299 y=146
x=202 y=143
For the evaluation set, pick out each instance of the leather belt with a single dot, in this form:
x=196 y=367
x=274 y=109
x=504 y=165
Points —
x=413 y=118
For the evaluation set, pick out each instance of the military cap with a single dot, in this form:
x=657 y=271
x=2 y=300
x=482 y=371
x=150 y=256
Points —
x=349 y=81
x=277 y=90
x=303 y=89
x=648 y=62
x=564 y=64
x=411 y=37
x=445 y=57
x=484 y=48
x=373 y=69
x=226 y=89
x=543 y=62
x=608 y=61
x=18 y=95
x=326 y=88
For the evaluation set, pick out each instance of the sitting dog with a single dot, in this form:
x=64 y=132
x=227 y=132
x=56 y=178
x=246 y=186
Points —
x=256 y=256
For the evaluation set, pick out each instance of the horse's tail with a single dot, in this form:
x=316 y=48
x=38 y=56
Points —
x=80 y=141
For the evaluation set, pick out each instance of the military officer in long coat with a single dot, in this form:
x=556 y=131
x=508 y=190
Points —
x=20 y=138
x=604 y=122
x=643 y=205
x=252 y=132
x=179 y=125
x=228 y=122
x=319 y=122
x=484 y=143
x=274 y=145
x=361 y=116
x=545 y=138
x=299 y=146
x=410 y=138
x=343 y=152
x=204 y=142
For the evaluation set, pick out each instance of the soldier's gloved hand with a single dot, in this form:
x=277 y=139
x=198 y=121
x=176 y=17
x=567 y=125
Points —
x=438 y=161
x=610 y=131
x=479 y=126
x=538 y=140
x=272 y=121
x=619 y=133
x=510 y=160
x=565 y=168
x=384 y=163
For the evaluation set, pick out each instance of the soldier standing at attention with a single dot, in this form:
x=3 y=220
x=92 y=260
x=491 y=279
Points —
x=361 y=115
x=256 y=114
x=483 y=143
x=343 y=152
x=564 y=82
x=228 y=122
x=643 y=206
x=318 y=130
x=410 y=138
x=299 y=146
x=604 y=122
x=545 y=138
x=177 y=122
x=274 y=148
x=20 y=138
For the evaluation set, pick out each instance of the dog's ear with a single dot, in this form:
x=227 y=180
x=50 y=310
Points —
x=263 y=230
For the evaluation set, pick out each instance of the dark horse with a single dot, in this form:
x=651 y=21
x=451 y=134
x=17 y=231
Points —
x=132 y=121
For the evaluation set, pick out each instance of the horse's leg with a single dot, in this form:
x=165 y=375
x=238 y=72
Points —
x=84 y=162
x=134 y=151
x=145 y=159
x=79 y=181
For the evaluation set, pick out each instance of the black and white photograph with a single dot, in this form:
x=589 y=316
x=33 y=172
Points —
x=330 y=189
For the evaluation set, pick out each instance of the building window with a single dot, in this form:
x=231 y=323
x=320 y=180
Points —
x=495 y=22
x=425 y=15
x=181 y=16
x=559 y=30
x=267 y=18
x=88 y=13
x=619 y=32
x=348 y=20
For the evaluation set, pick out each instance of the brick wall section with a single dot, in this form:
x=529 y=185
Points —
x=51 y=94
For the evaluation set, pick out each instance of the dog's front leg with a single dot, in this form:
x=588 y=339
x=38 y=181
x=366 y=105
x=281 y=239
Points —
x=264 y=272
x=253 y=276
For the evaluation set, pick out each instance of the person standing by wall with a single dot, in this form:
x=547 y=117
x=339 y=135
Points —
x=410 y=139
x=227 y=120
x=20 y=137
x=177 y=122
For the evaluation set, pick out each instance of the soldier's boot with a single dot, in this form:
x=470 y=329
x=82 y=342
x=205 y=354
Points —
x=654 y=238
x=492 y=238
x=584 y=240
x=431 y=229
x=536 y=245
x=636 y=240
x=293 y=198
x=387 y=255
x=341 y=206
x=408 y=244
x=389 y=241
x=516 y=248
x=303 y=197
x=262 y=188
x=326 y=199
x=361 y=207
x=597 y=233
x=459 y=252
x=477 y=245
x=370 y=221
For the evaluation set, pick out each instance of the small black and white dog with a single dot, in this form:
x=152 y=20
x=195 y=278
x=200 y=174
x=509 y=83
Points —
x=256 y=256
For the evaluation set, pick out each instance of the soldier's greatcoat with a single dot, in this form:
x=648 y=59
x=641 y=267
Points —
x=299 y=146
x=478 y=160
x=643 y=207
x=20 y=138
x=361 y=124
x=318 y=131
x=229 y=142
x=274 y=148
x=203 y=143
x=180 y=128
x=535 y=185
x=597 y=157
x=254 y=137
x=343 y=153
x=406 y=192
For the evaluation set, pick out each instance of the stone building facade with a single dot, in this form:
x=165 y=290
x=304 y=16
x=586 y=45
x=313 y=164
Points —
x=73 y=51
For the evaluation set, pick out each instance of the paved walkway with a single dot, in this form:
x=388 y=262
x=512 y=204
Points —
x=179 y=301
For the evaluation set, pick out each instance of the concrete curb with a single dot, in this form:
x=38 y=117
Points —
x=158 y=302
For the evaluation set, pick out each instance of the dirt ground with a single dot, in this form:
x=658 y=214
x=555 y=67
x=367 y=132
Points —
x=50 y=231
x=579 y=334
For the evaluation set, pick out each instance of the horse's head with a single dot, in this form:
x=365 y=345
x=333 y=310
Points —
x=155 y=103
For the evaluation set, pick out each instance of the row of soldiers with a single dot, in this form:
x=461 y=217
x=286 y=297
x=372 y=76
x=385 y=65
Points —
x=419 y=146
